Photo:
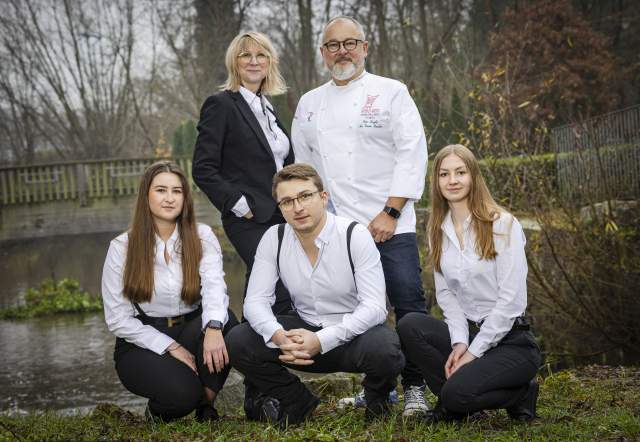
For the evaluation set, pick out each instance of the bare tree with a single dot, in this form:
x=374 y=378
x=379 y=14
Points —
x=72 y=62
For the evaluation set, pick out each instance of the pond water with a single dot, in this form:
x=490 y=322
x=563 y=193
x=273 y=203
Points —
x=65 y=362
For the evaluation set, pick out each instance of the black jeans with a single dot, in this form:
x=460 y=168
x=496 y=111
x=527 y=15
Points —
x=401 y=266
x=376 y=353
x=245 y=234
x=498 y=379
x=172 y=388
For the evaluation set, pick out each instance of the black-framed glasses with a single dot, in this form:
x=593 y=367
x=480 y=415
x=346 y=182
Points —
x=349 y=44
x=303 y=199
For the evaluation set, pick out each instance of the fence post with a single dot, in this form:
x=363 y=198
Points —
x=81 y=182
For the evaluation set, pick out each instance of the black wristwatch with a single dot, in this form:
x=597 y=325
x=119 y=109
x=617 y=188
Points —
x=216 y=325
x=393 y=213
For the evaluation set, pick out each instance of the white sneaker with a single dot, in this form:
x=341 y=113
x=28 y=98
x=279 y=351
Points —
x=414 y=403
x=358 y=401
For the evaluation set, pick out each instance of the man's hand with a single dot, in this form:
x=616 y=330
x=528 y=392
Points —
x=303 y=346
x=382 y=227
x=214 y=351
x=459 y=349
x=290 y=356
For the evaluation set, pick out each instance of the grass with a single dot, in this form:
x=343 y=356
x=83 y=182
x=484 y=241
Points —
x=591 y=403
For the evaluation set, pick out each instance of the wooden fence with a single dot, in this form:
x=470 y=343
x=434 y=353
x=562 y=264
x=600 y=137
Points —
x=600 y=158
x=81 y=180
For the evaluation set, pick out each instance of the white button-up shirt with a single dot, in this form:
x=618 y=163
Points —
x=120 y=313
x=367 y=142
x=493 y=292
x=277 y=139
x=325 y=294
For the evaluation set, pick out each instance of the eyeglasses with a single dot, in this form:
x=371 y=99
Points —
x=246 y=57
x=349 y=44
x=303 y=200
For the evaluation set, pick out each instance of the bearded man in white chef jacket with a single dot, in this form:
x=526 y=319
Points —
x=364 y=135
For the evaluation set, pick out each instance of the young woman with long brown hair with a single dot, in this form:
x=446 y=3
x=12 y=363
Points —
x=483 y=355
x=165 y=299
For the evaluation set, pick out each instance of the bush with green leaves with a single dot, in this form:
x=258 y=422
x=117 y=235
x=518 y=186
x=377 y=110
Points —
x=52 y=297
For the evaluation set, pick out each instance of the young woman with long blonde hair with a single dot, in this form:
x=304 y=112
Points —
x=483 y=355
x=165 y=300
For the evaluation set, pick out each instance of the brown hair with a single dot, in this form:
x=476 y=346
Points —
x=138 y=270
x=273 y=83
x=484 y=210
x=298 y=171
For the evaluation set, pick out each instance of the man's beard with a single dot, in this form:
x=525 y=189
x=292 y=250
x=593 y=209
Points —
x=342 y=72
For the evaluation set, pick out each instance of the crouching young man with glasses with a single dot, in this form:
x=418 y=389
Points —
x=332 y=269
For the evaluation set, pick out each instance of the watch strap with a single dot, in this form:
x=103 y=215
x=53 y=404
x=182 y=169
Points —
x=393 y=213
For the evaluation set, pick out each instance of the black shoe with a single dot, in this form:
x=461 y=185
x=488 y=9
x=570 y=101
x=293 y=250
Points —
x=377 y=409
x=206 y=413
x=441 y=415
x=298 y=412
x=525 y=410
x=253 y=403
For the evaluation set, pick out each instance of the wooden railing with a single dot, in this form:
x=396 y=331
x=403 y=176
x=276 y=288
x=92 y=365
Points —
x=81 y=180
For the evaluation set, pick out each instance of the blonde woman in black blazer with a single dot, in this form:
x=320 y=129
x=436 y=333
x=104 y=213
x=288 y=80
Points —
x=241 y=144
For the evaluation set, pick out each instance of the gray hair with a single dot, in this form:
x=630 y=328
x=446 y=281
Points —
x=359 y=27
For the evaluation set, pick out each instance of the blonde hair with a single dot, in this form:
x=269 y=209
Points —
x=273 y=83
x=484 y=210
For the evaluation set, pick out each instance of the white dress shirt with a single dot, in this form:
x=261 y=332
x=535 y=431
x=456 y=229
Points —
x=493 y=292
x=367 y=142
x=325 y=294
x=119 y=312
x=277 y=139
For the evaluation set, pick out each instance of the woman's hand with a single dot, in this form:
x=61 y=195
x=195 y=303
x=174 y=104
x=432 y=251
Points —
x=464 y=359
x=459 y=349
x=214 y=350
x=183 y=355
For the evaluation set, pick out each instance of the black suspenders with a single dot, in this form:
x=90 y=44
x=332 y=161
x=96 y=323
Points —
x=349 y=232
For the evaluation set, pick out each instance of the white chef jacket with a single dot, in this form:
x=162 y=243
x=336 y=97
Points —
x=119 y=312
x=324 y=295
x=277 y=139
x=367 y=142
x=493 y=291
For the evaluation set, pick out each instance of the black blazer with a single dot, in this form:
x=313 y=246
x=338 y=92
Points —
x=232 y=157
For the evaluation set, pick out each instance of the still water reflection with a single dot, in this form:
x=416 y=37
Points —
x=65 y=362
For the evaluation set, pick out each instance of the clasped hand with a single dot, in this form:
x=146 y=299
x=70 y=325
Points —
x=459 y=356
x=298 y=345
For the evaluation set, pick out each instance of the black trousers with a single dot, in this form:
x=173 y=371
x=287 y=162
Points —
x=376 y=353
x=172 y=388
x=498 y=379
x=245 y=234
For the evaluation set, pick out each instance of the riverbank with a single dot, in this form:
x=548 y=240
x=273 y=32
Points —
x=585 y=404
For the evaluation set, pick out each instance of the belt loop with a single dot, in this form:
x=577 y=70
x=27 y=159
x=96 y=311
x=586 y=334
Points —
x=170 y=322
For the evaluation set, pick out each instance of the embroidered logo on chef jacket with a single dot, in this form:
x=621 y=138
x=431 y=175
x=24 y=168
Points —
x=371 y=115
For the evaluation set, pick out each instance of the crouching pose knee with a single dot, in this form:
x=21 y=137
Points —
x=332 y=270
x=483 y=355
x=165 y=300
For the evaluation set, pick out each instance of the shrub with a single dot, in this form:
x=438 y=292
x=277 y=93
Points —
x=52 y=297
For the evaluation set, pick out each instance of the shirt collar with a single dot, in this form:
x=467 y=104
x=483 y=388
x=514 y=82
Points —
x=325 y=234
x=253 y=100
x=449 y=228
x=352 y=82
x=172 y=239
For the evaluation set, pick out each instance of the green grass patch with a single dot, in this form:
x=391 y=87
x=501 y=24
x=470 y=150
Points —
x=52 y=297
x=591 y=403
